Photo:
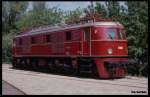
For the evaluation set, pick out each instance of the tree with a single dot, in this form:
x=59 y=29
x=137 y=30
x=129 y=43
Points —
x=138 y=17
x=113 y=9
x=73 y=16
x=137 y=32
x=11 y=12
x=137 y=26
x=39 y=6
x=101 y=9
x=40 y=18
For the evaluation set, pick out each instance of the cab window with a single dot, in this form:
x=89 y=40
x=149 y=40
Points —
x=121 y=34
x=111 y=33
x=114 y=33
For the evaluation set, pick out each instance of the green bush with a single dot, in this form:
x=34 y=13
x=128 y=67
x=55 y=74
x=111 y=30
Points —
x=6 y=47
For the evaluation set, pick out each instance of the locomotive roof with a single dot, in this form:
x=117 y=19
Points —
x=66 y=27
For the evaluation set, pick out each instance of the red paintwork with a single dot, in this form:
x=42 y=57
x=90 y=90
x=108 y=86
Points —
x=76 y=47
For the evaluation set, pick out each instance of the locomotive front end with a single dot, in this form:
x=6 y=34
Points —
x=110 y=45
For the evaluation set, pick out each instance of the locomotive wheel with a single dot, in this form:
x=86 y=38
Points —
x=17 y=63
x=41 y=64
x=31 y=64
x=20 y=64
x=14 y=63
x=74 y=67
x=52 y=66
x=74 y=72
x=24 y=63
x=34 y=64
x=28 y=63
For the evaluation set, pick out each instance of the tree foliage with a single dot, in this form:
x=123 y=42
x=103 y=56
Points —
x=11 y=12
x=39 y=6
x=113 y=9
x=137 y=33
x=99 y=8
x=40 y=18
x=73 y=16
x=138 y=26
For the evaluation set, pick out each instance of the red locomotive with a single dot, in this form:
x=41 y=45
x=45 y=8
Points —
x=98 y=48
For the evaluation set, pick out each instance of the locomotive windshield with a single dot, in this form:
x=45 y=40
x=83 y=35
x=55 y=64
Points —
x=113 y=33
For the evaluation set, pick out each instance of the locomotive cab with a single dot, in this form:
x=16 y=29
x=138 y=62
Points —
x=109 y=44
x=110 y=39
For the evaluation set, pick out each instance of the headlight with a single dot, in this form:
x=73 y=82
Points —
x=109 y=51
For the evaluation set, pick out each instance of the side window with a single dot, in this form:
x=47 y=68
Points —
x=20 y=41
x=68 y=35
x=48 y=38
x=33 y=41
x=86 y=34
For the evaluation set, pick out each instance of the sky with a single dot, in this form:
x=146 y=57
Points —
x=68 y=5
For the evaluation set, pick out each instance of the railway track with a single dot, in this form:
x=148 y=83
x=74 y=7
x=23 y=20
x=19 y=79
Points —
x=126 y=82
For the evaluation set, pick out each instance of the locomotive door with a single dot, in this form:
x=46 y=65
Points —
x=86 y=41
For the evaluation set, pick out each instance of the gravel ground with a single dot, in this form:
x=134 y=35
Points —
x=38 y=83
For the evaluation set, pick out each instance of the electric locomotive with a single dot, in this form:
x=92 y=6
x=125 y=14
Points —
x=96 y=47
